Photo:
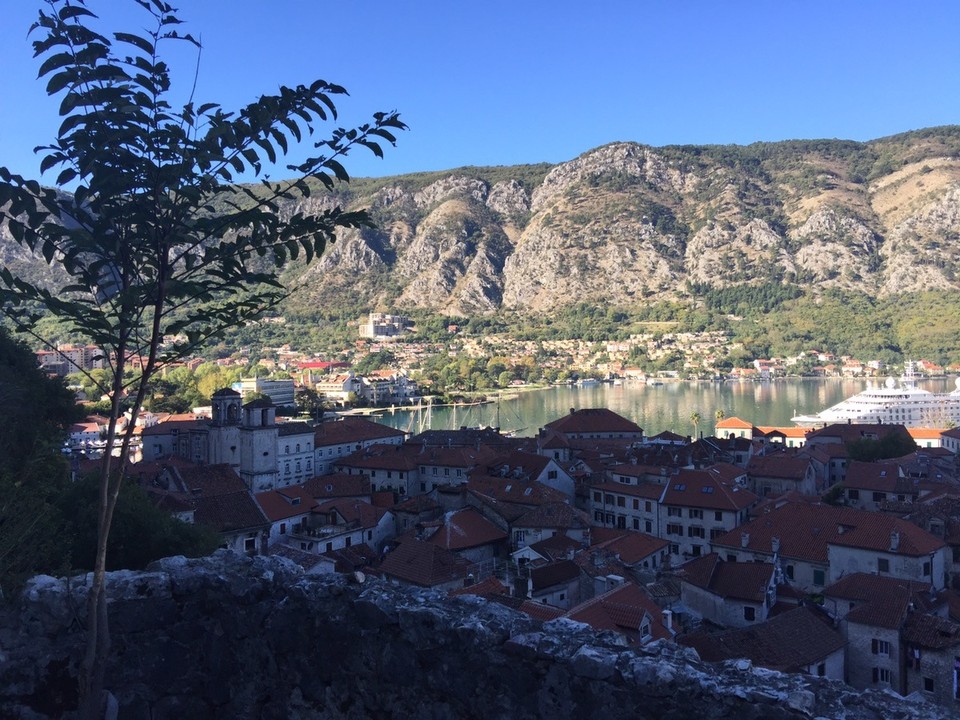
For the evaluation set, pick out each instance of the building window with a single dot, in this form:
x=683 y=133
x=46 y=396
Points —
x=621 y=501
x=818 y=578
x=598 y=515
x=853 y=494
x=283 y=528
x=329 y=547
x=696 y=514
x=674 y=529
x=883 y=565
x=551 y=475
x=696 y=532
x=446 y=472
x=647 y=526
x=621 y=522
x=647 y=507
x=349 y=541
x=789 y=572
x=879 y=497
x=749 y=613
x=696 y=550
x=881 y=675
x=674 y=512
x=636 y=524
x=879 y=647
x=926 y=569
x=821 y=669
x=597 y=497
x=718 y=516
x=674 y=549
x=423 y=487
x=636 y=504
x=928 y=684
x=434 y=471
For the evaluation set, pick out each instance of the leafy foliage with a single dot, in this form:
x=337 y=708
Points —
x=153 y=243
x=36 y=411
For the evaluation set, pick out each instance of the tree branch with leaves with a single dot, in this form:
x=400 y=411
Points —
x=156 y=239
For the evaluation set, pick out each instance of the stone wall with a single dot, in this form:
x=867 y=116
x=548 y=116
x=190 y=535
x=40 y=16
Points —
x=234 y=637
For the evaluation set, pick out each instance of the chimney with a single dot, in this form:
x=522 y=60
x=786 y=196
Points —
x=744 y=539
x=894 y=541
x=572 y=410
x=667 y=619
x=775 y=545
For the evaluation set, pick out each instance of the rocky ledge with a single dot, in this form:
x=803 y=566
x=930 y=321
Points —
x=235 y=637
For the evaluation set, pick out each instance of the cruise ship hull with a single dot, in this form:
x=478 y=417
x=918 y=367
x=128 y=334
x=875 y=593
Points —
x=905 y=405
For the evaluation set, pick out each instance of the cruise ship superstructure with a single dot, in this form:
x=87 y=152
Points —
x=900 y=403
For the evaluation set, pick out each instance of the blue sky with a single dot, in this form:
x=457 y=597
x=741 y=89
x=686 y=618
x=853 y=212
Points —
x=523 y=81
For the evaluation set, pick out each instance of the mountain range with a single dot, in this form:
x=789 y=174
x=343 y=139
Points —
x=627 y=225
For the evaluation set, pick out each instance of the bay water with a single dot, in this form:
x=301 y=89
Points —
x=655 y=408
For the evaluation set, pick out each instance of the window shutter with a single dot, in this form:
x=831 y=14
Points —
x=875 y=650
x=876 y=673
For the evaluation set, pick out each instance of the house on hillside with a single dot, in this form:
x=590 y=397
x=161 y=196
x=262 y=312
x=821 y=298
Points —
x=799 y=640
x=696 y=508
x=629 y=610
x=816 y=544
x=594 y=424
x=422 y=564
x=729 y=594
x=337 y=438
x=777 y=473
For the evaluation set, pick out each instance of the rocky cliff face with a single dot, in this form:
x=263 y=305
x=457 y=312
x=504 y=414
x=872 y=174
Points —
x=626 y=223
x=233 y=637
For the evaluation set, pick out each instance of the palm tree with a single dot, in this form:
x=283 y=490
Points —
x=695 y=419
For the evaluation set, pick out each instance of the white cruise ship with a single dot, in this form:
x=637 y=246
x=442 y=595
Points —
x=900 y=403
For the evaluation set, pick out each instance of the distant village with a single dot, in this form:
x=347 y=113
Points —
x=769 y=544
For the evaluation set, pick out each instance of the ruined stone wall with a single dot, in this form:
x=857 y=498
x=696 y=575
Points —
x=234 y=637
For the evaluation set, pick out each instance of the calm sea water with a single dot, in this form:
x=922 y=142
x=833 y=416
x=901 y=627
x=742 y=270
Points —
x=654 y=408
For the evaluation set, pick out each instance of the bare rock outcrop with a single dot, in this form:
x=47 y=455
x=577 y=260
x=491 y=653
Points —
x=231 y=637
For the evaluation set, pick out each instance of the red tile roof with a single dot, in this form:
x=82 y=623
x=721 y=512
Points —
x=231 y=512
x=558 y=516
x=879 y=477
x=484 y=588
x=521 y=492
x=352 y=430
x=553 y=573
x=622 y=610
x=930 y=631
x=594 y=420
x=805 y=530
x=285 y=503
x=778 y=465
x=337 y=485
x=734 y=423
x=353 y=511
x=629 y=546
x=789 y=642
x=646 y=490
x=740 y=581
x=423 y=564
x=464 y=529
x=700 y=489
